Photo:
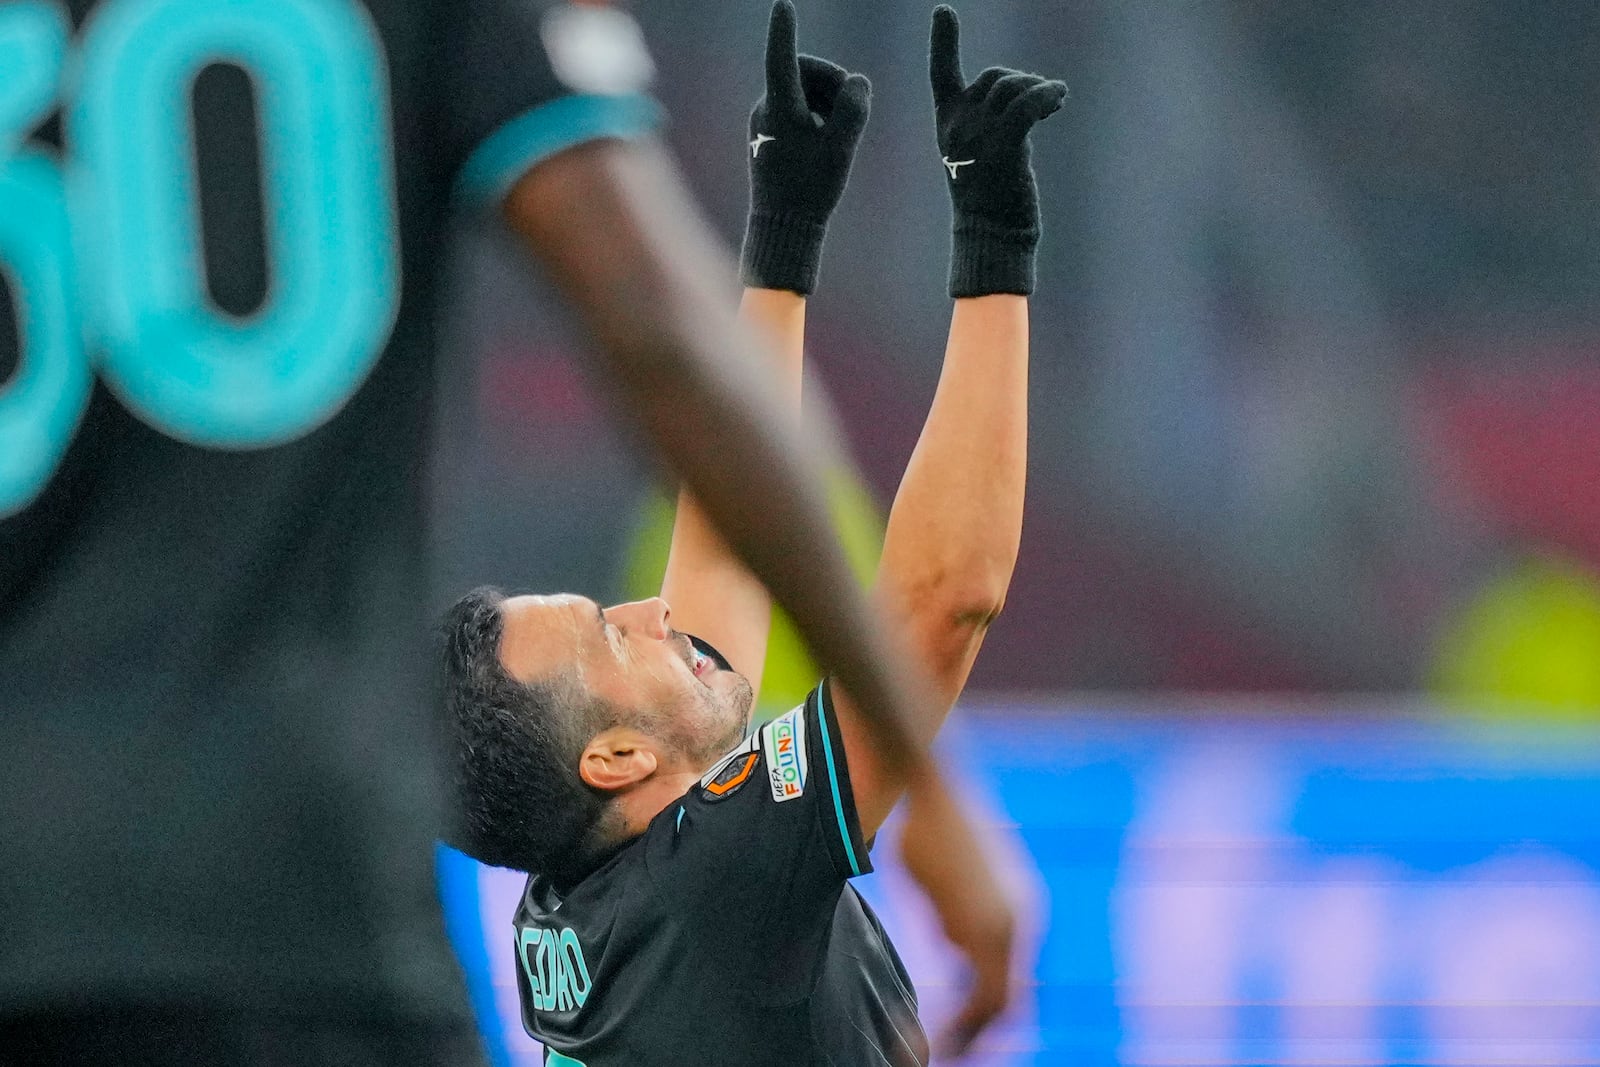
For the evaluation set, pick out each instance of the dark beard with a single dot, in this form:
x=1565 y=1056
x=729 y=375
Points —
x=737 y=705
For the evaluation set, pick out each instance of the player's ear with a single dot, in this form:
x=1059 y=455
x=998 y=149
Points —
x=617 y=758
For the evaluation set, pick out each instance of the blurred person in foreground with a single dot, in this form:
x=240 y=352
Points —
x=688 y=898
x=221 y=786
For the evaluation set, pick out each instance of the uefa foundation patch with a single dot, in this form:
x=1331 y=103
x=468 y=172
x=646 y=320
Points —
x=783 y=740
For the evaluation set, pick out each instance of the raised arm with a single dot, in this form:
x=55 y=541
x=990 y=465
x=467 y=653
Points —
x=617 y=232
x=803 y=134
x=956 y=523
x=954 y=529
x=712 y=594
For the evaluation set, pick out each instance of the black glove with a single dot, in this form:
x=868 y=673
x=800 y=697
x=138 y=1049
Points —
x=803 y=133
x=983 y=135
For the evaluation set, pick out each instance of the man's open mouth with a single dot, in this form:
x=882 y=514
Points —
x=706 y=658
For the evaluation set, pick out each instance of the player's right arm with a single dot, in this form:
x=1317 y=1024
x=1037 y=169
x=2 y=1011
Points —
x=619 y=236
x=561 y=145
x=803 y=133
x=713 y=595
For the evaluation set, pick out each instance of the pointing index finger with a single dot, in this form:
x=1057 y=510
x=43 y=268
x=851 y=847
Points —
x=783 y=65
x=944 y=54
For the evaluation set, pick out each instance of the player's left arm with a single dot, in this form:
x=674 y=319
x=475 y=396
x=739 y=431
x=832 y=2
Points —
x=955 y=527
x=803 y=133
x=956 y=524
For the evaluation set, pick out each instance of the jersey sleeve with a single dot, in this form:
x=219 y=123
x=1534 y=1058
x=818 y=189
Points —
x=529 y=79
x=759 y=850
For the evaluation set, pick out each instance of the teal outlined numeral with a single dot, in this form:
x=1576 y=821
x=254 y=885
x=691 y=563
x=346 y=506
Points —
x=41 y=404
x=128 y=207
x=174 y=358
x=33 y=49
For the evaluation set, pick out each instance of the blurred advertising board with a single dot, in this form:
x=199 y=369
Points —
x=1243 y=885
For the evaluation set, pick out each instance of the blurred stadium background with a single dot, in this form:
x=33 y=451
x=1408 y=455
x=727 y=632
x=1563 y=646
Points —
x=1289 y=724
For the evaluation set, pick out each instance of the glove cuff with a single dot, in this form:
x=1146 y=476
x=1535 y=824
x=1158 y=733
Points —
x=782 y=252
x=987 y=259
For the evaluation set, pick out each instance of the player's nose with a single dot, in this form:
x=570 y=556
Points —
x=648 y=617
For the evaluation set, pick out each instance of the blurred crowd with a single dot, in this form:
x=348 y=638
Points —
x=1314 y=358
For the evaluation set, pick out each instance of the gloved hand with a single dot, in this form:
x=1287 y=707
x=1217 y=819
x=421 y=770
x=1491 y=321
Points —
x=803 y=134
x=983 y=137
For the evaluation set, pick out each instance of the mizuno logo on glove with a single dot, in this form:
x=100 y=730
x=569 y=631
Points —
x=951 y=165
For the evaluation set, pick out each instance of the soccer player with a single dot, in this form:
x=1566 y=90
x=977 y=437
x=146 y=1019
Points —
x=688 y=898
x=220 y=226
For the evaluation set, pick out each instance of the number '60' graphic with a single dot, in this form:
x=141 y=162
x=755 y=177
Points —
x=102 y=249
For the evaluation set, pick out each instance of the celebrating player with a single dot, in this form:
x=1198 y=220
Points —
x=218 y=800
x=688 y=899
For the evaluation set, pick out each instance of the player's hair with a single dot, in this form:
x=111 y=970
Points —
x=514 y=751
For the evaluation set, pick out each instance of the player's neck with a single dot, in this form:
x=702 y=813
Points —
x=647 y=799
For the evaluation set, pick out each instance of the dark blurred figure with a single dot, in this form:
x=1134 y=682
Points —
x=219 y=793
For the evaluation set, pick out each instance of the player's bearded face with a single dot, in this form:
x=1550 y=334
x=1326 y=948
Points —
x=675 y=686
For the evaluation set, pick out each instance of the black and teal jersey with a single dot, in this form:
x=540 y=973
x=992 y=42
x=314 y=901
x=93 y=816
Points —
x=727 y=933
x=220 y=222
